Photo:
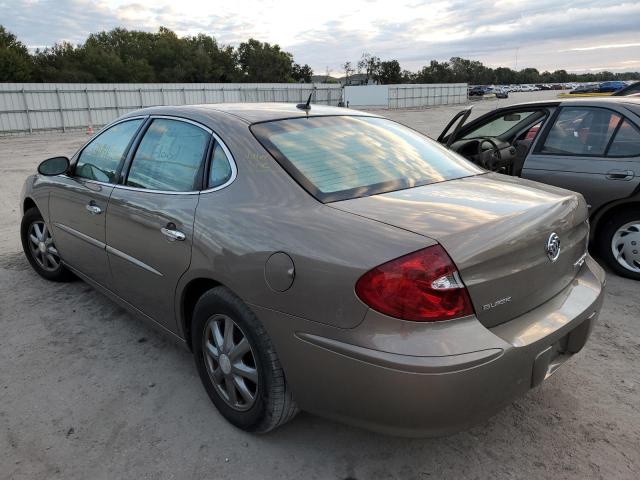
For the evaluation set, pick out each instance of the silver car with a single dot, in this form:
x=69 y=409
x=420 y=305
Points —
x=589 y=145
x=322 y=259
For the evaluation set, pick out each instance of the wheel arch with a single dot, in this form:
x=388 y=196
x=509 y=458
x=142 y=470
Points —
x=598 y=219
x=28 y=203
x=189 y=296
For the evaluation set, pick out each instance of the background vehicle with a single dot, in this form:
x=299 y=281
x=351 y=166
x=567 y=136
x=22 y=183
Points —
x=479 y=90
x=631 y=89
x=587 y=88
x=499 y=92
x=324 y=259
x=612 y=86
x=591 y=146
x=603 y=87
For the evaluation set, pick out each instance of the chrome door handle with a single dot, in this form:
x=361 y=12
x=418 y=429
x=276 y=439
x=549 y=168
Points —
x=93 y=209
x=620 y=174
x=173 y=235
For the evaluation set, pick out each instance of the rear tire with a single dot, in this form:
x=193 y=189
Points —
x=39 y=248
x=238 y=364
x=619 y=243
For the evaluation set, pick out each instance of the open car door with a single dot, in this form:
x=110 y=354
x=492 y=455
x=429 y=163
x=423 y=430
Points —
x=461 y=117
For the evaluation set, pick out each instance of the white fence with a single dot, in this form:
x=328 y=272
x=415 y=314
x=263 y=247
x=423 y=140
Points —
x=29 y=107
x=405 y=95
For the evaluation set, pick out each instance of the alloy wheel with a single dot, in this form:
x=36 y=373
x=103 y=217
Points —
x=625 y=246
x=42 y=248
x=230 y=362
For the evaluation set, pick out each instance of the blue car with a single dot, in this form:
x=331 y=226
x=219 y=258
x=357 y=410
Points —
x=612 y=86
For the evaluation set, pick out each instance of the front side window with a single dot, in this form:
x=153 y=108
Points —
x=626 y=143
x=581 y=131
x=100 y=159
x=169 y=157
x=341 y=157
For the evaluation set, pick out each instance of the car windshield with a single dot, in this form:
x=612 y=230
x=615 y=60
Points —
x=341 y=157
x=499 y=125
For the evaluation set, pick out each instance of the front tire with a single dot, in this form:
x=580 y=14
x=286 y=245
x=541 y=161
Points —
x=619 y=243
x=39 y=248
x=238 y=364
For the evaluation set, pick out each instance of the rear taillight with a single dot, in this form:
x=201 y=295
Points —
x=423 y=286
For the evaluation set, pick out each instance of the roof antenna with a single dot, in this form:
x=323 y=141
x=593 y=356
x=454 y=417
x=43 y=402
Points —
x=305 y=106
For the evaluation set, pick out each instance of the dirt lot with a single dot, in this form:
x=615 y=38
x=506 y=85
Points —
x=86 y=391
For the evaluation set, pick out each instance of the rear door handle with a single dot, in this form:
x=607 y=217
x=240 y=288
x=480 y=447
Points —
x=93 y=209
x=620 y=174
x=172 y=234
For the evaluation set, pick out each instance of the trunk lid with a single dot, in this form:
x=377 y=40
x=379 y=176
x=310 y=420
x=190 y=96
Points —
x=496 y=229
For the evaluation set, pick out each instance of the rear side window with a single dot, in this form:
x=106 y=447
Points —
x=340 y=157
x=169 y=157
x=100 y=159
x=220 y=170
x=626 y=143
x=581 y=131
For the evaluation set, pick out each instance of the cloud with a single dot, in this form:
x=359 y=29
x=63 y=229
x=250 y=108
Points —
x=602 y=47
x=575 y=35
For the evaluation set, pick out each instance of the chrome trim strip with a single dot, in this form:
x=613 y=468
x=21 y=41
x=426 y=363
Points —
x=232 y=162
x=146 y=190
x=183 y=119
x=81 y=236
x=133 y=260
x=580 y=261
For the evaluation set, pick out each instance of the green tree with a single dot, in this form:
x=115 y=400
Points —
x=370 y=64
x=15 y=62
x=436 y=72
x=61 y=63
x=528 y=75
x=389 y=72
x=301 y=73
x=262 y=62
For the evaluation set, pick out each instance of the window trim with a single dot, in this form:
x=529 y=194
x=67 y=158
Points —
x=543 y=138
x=615 y=133
x=206 y=159
x=126 y=162
x=207 y=170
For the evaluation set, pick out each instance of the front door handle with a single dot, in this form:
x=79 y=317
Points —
x=172 y=234
x=93 y=209
x=620 y=174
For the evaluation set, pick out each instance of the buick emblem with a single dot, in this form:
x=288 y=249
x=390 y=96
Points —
x=553 y=247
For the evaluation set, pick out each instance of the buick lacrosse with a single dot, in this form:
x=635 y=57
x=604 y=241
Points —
x=322 y=259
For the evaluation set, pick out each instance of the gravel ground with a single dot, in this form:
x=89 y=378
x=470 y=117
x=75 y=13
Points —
x=86 y=391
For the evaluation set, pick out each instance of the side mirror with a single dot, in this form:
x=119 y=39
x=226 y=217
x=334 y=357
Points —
x=54 y=166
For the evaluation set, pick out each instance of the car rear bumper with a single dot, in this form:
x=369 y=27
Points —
x=421 y=380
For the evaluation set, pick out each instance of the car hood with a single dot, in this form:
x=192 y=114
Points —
x=496 y=229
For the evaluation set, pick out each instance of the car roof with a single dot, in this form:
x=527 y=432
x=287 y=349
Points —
x=250 y=112
x=608 y=100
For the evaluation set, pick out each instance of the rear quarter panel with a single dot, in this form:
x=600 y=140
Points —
x=264 y=211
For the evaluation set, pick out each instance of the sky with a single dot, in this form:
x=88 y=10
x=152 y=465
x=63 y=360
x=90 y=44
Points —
x=580 y=36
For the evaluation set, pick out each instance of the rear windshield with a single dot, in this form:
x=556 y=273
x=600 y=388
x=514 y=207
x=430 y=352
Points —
x=341 y=157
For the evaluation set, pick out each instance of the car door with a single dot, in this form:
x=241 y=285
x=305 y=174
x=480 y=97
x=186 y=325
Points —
x=150 y=216
x=591 y=150
x=78 y=201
